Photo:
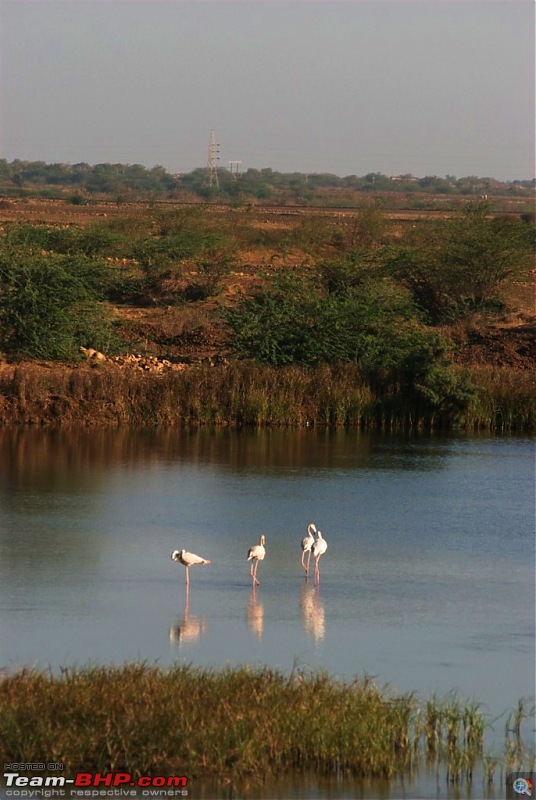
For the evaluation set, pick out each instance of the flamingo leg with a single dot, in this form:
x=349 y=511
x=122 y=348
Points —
x=187 y=578
x=317 y=570
x=254 y=574
x=304 y=565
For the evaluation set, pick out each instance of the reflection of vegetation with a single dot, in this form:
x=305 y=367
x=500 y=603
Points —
x=235 y=724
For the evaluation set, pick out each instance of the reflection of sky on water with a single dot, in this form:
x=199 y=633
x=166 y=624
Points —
x=427 y=583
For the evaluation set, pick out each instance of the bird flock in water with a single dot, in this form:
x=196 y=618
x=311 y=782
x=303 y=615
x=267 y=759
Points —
x=309 y=545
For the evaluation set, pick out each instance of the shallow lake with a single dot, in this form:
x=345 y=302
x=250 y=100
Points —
x=427 y=583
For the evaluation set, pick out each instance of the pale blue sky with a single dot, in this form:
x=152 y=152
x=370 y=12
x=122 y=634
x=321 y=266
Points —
x=344 y=86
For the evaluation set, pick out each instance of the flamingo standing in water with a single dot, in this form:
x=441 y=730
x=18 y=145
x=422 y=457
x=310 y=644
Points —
x=188 y=559
x=307 y=544
x=319 y=548
x=256 y=554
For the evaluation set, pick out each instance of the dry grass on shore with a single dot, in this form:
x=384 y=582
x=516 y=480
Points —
x=246 y=394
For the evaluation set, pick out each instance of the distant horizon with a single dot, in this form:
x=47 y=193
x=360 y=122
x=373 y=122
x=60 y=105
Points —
x=282 y=172
x=338 y=87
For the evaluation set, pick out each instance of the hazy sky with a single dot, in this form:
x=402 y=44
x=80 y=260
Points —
x=428 y=87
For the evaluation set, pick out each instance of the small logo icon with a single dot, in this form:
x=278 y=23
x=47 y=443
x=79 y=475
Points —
x=523 y=786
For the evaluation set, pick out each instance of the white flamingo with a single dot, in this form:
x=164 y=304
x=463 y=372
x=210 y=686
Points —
x=256 y=554
x=188 y=559
x=307 y=544
x=319 y=548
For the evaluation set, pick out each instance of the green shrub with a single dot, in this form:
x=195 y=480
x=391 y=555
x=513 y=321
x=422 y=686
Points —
x=292 y=319
x=90 y=241
x=41 y=237
x=369 y=321
x=456 y=266
x=277 y=325
x=48 y=305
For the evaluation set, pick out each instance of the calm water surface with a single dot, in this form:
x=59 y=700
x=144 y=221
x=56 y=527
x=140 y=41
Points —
x=427 y=584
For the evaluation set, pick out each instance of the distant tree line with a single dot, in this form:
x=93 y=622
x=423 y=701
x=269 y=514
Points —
x=123 y=182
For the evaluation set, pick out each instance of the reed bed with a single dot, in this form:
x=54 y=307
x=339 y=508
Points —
x=505 y=400
x=233 y=724
x=242 y=393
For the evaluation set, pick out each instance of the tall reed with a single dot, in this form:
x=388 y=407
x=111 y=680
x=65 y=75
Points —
x=242 y=393
x=231 y=723
x=505 y=400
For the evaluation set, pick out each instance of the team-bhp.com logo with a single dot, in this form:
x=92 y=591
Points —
x=94 y=784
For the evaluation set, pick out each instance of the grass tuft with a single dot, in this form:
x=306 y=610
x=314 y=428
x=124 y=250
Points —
x=235 y=724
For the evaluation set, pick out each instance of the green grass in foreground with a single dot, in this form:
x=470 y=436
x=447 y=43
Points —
x=240 y=723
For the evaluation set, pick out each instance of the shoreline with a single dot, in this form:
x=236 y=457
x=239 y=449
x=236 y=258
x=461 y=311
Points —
x=242 y=394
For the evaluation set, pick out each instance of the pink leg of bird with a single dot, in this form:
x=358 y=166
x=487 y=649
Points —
x=306 y=566
x=317 y=570
x=187 y=578
x=254 y=573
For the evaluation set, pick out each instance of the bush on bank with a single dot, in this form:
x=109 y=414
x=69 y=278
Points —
x=346 y=340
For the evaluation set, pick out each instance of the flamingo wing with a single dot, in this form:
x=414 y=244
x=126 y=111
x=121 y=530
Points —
x=188 y=559
x=256 y=552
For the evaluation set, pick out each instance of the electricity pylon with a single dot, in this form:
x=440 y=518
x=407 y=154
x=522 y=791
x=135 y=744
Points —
x=234 y=166
x=212 y=164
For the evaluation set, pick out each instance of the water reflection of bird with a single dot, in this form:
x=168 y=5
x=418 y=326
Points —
x=319 y=548
x=312 y=612
x=189 y=628
x=306 y=545
x=256 y=554
x=255 y=614
x=189 y=560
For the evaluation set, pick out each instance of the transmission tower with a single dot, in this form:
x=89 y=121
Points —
x=212 y=163
x=234 y=167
